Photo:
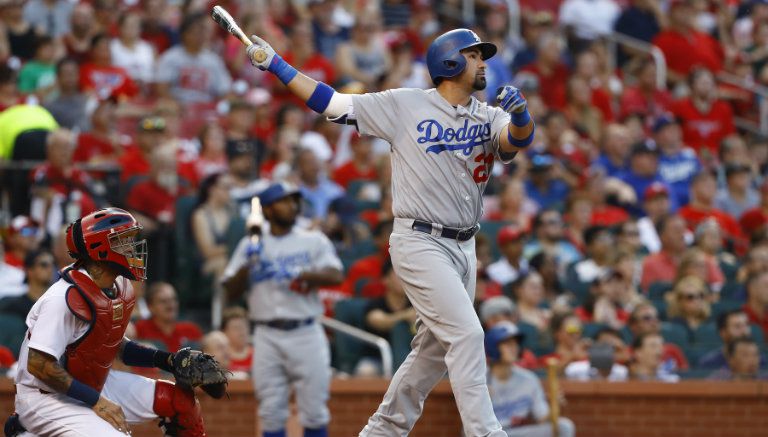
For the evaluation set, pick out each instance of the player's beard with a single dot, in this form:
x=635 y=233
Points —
x=480 y=83
x=285 y=222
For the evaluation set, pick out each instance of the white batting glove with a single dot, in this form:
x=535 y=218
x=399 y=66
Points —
x=260 y=53
x=511 y=99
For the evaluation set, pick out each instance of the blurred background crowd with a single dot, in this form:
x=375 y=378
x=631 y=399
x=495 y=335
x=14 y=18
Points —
x=630 y=241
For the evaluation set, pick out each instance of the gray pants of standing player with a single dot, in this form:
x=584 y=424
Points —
x=298 y=358
x=438 y=275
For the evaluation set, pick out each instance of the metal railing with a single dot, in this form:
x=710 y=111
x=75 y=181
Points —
x=615 y=38
x=760 y=92
x=366 y=337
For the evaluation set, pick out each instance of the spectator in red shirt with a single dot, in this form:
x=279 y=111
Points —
x=213 y=157
x=515 y=207
x=101 y=77
x=705 y=119
x=103 y=143
x=587 y=68
x=644 y=319
x=684 y=46
x=550 y=70
x=361 y=166
x=754 y=220
x=152 y=200
x=154 y=30
x=163 y=325
x=57 y=185
x=82 y=30
x=570 y=346
x=362 y=277
x=150 y=132
x=756 y=306
x=645 y=97
x=23 y=236
x=662 y=266
x=305 y=58
x=702 y=207
x=235 y=325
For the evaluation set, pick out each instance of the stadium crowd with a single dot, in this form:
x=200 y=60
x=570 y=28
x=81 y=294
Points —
x=630 y=242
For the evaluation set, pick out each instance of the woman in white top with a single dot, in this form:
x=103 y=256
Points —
x=129 y=51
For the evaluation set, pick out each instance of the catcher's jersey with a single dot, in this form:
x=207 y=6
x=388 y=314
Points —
x=51 y=326
x=442 y=155
x=282 y=259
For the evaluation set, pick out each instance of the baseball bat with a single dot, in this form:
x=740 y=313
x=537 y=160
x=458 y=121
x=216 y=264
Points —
x=221 y=16
x=553 y=383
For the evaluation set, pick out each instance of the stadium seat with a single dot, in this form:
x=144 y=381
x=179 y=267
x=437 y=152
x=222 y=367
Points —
x=537 y=343
x=661 y=307
x=12 y=331
x=348 y=350
x=572 y=283
x=195 y=290
x=696 y=374
x=657 y=290
x=731 y=290
x=706 y=334
x=674 y=333
x=757 y=334
x=591 y=329
x=491 y=230
x=724 y=305
x=400 y=340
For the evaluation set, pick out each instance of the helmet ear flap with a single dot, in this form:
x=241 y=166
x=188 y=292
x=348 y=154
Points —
x=78 y=240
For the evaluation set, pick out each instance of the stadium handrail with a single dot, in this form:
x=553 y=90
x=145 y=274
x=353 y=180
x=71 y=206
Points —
x=760 y=91
x=615 y=38
x=382 y=344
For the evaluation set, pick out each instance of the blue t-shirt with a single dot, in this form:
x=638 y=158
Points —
x=640 y=183
x=678 y=170
x=552 y=197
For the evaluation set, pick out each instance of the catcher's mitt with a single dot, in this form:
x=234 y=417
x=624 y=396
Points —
x=193 y=368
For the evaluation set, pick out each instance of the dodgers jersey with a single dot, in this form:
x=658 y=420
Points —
x=280 y=261
x=442 y=156
x=518 y=398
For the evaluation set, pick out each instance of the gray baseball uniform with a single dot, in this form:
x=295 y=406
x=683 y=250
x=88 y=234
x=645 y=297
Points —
x=520 y=398
x=442 y=157
x=288 y=355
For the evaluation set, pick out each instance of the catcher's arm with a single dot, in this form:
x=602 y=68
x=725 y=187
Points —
x=318 y=96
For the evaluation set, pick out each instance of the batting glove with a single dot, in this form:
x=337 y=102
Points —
x=511 y=99
x=260 y=53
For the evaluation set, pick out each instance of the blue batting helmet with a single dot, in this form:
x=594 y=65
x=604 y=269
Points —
x=277 y=192
x=501 y=332
x=444 y=58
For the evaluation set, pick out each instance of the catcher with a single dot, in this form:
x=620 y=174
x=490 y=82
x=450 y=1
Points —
x=65 y=385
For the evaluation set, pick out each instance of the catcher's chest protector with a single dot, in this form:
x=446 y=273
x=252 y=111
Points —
x=89 y=359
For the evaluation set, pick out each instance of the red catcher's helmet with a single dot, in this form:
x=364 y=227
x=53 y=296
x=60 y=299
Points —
x=109 y=235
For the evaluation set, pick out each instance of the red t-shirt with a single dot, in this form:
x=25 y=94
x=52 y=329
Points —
x=705 y=131
x=107 y=81
x=243 y=364
x=74 y=179
x=133 y=163
x=684 y=52
x=760 y=320
x=633 y=101
x=13 y=260
x=6 y=357
x=368 y=267
x=553 y=86
x=601 y=100
x=183 y=332
x=693 y=216
x=349 y=172
x=752 y=220
x=149 y=198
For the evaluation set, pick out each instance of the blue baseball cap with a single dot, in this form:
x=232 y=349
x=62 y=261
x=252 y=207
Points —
x=277 y=192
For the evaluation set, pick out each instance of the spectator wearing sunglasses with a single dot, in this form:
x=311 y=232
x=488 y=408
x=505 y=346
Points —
x=38 y=269
x=687 y=303
x=644 y=319
x=22 y=238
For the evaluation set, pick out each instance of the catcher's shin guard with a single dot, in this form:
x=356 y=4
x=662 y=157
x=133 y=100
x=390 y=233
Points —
x=180 y=410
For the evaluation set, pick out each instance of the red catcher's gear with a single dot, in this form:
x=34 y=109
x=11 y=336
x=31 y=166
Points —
x=89 y=358
x=181 y=407
x=109 y=235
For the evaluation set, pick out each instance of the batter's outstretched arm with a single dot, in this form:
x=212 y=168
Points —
x=521 y=128
x=318 y=96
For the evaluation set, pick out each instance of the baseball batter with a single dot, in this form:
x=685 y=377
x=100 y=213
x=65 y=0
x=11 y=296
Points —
x=284 y=268
x=444 y=144
x=64 y=386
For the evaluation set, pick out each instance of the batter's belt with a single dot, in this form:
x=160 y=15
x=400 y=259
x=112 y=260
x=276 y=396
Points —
x=436 y=229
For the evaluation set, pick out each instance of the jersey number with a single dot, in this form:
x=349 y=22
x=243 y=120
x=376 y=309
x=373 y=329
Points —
x=483 y=171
